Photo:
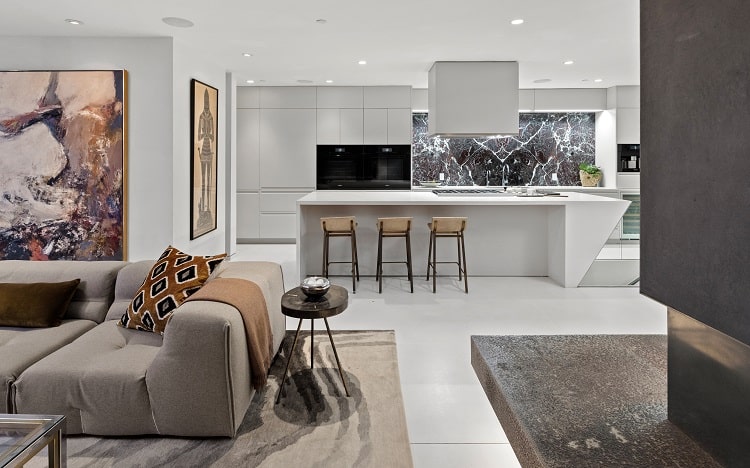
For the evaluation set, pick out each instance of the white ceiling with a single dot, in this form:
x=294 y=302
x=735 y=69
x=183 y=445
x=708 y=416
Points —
x=400 y=39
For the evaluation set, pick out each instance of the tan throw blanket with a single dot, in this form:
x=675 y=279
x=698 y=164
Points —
x=246 y=297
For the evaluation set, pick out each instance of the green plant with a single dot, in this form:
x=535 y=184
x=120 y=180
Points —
x=590 y=168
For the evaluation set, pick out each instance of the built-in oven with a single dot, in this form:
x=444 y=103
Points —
x=362 y=167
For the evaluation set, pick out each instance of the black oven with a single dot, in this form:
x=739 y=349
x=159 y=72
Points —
x=363 y=167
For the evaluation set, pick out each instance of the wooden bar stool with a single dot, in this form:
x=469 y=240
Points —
x=344 y=226
x=394 y=227
x=447 y=227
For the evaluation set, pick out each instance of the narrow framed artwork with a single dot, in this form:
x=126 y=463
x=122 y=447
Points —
x=63 y=165
x=204 y=130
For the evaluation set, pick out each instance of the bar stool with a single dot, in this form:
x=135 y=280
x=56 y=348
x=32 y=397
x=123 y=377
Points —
x=447 y=227
x=394 y=227
x=340 y=227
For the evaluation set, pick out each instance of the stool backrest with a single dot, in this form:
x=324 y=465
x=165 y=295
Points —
x=338 y=224
x=448 y=224
x=394 y=224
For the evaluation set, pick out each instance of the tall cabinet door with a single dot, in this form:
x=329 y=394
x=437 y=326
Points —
x=376 y=126
x=399 y=127
x=352 y=126
x=287 y=147
x=248 y=149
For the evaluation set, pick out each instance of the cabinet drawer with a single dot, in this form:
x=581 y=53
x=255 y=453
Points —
x=280 y=202
x=247 y=216
x=278 y=226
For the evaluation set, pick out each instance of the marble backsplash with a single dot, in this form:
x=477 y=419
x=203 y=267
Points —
x=549 y=145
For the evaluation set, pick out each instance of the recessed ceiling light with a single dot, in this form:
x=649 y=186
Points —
x=177 y=22
x=568 y=62
x=250 y=81
x=542 y=80
x=517 y=21
x=246 y=54
x=73 y=21
x=362 y=62
x=598 y=80
x=329 y=81
x=321 y=21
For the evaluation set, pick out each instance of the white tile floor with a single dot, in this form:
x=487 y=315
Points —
x=451 y=423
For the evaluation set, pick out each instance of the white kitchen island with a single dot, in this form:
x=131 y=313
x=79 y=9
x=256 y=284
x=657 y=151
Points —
x=506 y=235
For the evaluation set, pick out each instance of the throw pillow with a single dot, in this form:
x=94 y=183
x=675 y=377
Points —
x=173 y=278
x=35 y=304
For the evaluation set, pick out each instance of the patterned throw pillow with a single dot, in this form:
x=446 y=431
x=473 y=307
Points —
x=175 y=276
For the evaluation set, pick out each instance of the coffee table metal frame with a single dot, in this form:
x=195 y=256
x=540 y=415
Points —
x=295 y=304
x=36 y=432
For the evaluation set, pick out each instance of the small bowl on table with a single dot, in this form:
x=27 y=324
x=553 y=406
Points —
x=315 y=287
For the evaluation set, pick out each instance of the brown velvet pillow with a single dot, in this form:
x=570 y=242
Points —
x=35 y=304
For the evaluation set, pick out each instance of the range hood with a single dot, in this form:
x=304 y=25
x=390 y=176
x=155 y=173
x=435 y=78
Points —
x=472 y=99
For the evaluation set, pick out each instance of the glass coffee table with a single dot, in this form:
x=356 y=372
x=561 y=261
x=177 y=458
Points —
x=24 y=435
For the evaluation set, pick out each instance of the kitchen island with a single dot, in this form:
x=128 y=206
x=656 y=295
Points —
x=506 y=235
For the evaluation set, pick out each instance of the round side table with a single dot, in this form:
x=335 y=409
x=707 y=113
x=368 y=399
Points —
x=294 y=303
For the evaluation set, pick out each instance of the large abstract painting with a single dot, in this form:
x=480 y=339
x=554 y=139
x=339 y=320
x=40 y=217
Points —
x=204 y=129
x=63 y=165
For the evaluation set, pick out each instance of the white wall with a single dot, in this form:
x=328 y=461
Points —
x=606 y=147
x=187 y=66
x=148 y=62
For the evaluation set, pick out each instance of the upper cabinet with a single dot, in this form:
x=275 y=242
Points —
x=387 y=97
x=340 y=97
x=287 y=147
x=287 y=97
x=626 y=100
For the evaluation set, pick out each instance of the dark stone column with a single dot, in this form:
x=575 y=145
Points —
x=695 y=210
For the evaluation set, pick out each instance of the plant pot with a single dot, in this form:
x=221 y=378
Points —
x=589 y=180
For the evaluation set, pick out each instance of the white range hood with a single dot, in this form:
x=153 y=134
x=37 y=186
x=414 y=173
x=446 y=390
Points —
x=473 y=99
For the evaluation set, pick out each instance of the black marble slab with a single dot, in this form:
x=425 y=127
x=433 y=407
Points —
x=584 y=400
x=547 y=144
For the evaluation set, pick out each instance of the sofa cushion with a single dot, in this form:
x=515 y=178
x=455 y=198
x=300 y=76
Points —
x=98 y=382
x=35 y=304
x=22 y=347
x=175 y=276
x=93 y=296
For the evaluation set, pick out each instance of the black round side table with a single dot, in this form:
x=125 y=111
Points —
x=294 y=303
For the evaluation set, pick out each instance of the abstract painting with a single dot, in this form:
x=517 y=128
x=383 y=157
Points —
x=63 y=165
x=204 y=129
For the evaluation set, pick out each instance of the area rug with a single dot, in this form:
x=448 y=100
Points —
x=314 y=425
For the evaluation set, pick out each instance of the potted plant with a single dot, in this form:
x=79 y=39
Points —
x=590 y=174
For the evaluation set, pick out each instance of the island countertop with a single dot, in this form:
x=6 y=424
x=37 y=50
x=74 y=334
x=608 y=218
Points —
x=394 y=197
x=506 y=235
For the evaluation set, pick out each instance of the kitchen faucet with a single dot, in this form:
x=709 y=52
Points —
x=487 y=179
x=505 y=175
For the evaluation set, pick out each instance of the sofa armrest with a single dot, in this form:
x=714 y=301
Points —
x=199 y=382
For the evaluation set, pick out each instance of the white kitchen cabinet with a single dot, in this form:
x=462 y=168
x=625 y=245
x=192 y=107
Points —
x=397 y=97
x=287 y=97
x=340 y=97
x=287 y=147
x=628 y=126
x=248 y=149
x=278 y=226
x=280 y=202
x=328 y=126
x=375 y=126
x=248 y=97
x=248 y=215
x=399 y=127
x=570 y=99
x=351 y=127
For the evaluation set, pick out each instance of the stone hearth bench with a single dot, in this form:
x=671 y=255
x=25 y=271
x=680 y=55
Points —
x=584 y=400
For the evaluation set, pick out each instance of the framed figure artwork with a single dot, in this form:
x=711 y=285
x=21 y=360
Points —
x=204 y=129
x=63 y=165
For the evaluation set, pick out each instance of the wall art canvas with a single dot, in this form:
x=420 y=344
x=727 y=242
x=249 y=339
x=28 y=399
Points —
x=204 y=129
x=63 y=165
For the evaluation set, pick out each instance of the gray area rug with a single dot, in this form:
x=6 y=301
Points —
x=314 y=425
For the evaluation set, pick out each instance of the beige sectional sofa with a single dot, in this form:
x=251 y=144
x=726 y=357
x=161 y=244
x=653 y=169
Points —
x=107 y=380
